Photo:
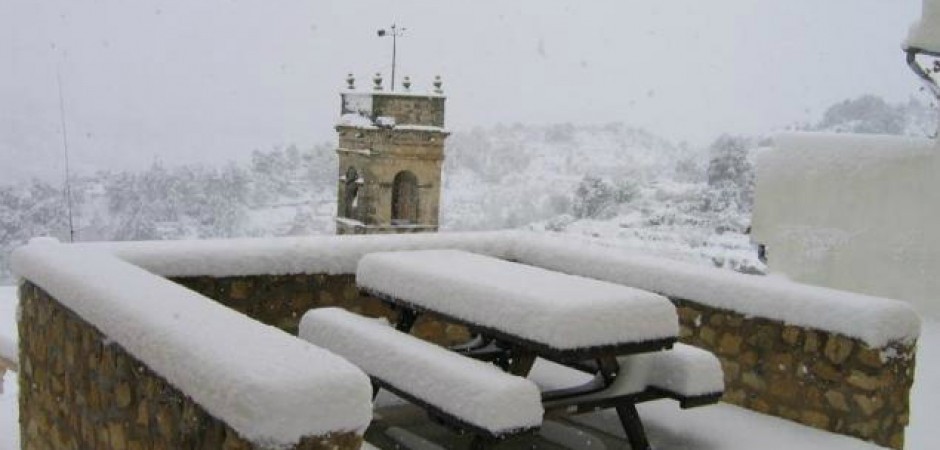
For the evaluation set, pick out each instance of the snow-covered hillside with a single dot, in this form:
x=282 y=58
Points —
x=612 y=183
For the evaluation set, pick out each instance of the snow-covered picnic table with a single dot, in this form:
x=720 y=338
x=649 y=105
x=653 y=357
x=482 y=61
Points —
x=625 y=337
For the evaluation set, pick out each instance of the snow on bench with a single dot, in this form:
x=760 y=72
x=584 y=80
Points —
x=684 y=371
x=479 y=394
x=272 y=388
x=688 y=374
x=550 y=308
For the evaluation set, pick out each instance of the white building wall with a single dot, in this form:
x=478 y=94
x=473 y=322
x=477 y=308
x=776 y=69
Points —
x=853 y=212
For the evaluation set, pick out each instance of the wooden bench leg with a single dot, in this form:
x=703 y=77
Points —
x=633 y=426
x=406 y=320
x=479 y=443
x=521 y=363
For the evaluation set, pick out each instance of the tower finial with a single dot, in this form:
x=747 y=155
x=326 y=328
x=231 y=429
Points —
x=407 y=83
x=438 y=83
x=350 y=82
x=377 y=79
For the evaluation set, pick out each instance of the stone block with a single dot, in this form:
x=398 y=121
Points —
x=838 y=348
x=863 y=381
x=735 y=396
x=869 y=357
x=240 y=290
x=731 y=369
x=730 y=344
x=749 y=359
x=790 y=335
x=753 y=381
x=811 y=342
x=864 y=429
x=734 y=320
x=827 y=372
x=869 y=405
x=716 y=320
x=708 y=335
x=836 y=400
x=784 y=389
x=780 y=362
x=815 y=419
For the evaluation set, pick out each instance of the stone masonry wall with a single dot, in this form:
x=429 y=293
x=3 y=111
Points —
x=813 y=377
x=410 y=109
x=80 y=391
x=281 y=300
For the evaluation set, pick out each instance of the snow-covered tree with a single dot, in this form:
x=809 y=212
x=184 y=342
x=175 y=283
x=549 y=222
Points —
x=870 y=114
x=730 y=175
x=593 y=198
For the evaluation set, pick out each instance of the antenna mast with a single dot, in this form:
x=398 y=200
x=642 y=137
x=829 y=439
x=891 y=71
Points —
x=395 y=32
x=65 y=146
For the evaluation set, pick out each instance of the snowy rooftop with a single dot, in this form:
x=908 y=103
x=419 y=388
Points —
x=925 y=33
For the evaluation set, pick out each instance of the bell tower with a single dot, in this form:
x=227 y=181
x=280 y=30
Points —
x=391 y=149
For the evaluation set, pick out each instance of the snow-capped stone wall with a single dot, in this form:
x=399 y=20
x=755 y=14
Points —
x=850 y=356
x=82 y=390
x=82 y=312
x=818 y=378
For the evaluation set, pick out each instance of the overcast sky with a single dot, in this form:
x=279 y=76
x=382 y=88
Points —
x=211 y=80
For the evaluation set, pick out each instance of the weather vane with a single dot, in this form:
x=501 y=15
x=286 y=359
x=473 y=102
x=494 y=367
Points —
x=394 y=32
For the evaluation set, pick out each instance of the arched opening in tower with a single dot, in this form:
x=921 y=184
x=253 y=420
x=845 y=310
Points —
x=351 y=200
x=405 y=198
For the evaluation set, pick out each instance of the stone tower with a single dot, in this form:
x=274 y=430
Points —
x=391 y=148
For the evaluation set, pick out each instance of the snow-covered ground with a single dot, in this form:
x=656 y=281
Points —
x=9 y=432
x=719 y=427
x=8 y=337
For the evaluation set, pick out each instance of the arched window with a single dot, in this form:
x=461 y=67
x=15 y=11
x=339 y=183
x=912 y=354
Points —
x=405 y=198
x=352 y=192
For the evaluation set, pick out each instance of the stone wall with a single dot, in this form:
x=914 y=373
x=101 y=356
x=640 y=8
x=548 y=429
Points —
x=281 y=300
x=378 y=156
x=814 y=377
x=80 y=391
x=410 y=109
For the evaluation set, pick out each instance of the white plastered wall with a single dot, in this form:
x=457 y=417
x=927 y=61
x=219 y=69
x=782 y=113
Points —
x=859 y=213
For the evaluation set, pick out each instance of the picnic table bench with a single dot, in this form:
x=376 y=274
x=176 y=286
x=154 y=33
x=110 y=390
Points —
x=624 y=337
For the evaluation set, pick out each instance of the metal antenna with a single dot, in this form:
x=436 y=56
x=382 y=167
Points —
x=65 y=146
x=395 y=32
